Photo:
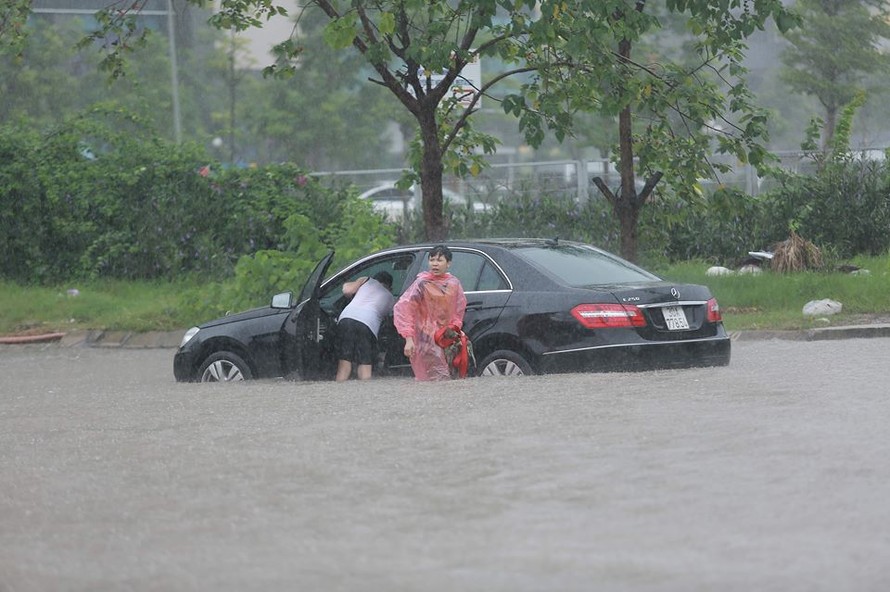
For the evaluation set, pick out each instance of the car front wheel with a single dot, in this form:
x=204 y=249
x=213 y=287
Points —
x=504 y=363
x=224 y=367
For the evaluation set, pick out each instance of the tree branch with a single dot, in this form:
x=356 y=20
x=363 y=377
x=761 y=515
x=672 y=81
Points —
x=459 y=124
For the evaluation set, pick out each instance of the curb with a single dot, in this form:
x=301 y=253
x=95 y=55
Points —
x=821 y=334
x=102 y=339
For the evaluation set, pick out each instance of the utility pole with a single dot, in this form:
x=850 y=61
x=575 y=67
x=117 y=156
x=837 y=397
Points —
x=174 y=73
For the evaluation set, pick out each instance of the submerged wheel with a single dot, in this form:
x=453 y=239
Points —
x=224 y=367
x=504 y=363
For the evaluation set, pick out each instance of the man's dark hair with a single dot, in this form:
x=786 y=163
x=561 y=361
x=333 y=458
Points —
x=384 y=278
x=441 y=250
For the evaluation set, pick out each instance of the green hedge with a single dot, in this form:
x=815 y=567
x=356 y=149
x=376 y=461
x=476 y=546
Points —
x=88 y=199
x=844 y=209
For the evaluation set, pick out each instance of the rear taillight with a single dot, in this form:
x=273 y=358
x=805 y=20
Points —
x=605 y=316
x=714 y=315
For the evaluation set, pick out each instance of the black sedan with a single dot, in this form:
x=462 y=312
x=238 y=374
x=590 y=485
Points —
x=533 y=306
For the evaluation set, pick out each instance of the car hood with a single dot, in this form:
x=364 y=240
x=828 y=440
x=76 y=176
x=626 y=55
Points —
x=256 y=313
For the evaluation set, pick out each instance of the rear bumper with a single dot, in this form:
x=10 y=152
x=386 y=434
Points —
x=710 y=351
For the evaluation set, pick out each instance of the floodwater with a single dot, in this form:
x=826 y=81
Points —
x=771 y=474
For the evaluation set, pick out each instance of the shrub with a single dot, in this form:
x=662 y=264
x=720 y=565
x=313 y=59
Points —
x=260 y=275
x=527 y=214
x=846 y=206
x=90 y=199
x=719 y=228
x=795 y=254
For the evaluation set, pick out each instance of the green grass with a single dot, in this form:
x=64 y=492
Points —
x=767 y=301
x=775 y=301
x=113 y=305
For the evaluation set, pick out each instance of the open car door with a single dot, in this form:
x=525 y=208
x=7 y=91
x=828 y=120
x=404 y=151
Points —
x=308 y=331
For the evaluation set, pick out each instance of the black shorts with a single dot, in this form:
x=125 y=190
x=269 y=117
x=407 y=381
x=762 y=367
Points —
x=356 y=342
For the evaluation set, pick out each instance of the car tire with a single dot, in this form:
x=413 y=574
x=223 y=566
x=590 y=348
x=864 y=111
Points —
x=224 y=367
x=504 y=363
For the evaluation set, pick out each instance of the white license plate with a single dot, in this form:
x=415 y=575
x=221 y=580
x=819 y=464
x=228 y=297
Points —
x=675 y=318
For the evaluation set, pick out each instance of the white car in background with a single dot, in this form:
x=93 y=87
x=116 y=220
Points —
x=397 y=203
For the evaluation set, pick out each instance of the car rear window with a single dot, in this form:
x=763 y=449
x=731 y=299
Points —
x=579 y=265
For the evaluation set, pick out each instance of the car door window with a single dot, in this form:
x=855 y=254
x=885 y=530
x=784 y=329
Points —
x=491 y=279
x=332 y=299
x=476 y=273
x=315 y=277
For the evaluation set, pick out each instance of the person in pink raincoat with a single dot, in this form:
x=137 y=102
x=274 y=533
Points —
x=436 y=299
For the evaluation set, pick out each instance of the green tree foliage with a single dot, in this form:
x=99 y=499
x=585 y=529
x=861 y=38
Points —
x=29 y=81
x=572 y=56
x=682 y=105
x=325 y=117
x=581 y=57
x=49 y=81
x=836 y=52
x=322 y=113
x=13 y=16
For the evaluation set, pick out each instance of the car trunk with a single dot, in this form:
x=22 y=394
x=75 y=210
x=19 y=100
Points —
x=672 y=311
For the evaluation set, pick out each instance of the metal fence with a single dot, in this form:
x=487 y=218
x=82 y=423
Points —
x=559 y=177
x=566 y=178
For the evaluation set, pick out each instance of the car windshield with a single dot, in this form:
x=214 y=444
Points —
x=579 y=265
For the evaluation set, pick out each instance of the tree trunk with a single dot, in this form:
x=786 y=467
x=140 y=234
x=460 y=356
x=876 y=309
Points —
x=828 y=128
x=628 y=218
x=431 y=177
x=626 y=205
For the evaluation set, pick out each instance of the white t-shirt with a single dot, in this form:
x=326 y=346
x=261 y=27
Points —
x=370 y=304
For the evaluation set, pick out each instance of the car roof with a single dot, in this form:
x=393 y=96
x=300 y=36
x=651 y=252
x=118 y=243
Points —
x=500 y=248
x=507 y=260
x=504 y=243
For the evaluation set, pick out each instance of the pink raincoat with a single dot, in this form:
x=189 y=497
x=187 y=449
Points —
x=431 y=302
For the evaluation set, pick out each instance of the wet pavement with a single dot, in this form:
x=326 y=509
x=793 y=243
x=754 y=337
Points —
x=770 y=474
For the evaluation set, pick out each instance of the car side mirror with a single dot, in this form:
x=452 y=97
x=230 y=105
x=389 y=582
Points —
x=283 y=300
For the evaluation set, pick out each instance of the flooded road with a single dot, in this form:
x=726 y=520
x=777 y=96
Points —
x=771 y=474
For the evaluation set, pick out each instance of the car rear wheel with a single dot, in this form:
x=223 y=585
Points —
x=504 y=363
x=224 y=367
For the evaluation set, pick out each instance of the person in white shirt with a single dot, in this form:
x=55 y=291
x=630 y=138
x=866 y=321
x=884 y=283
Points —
x=359 y=324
